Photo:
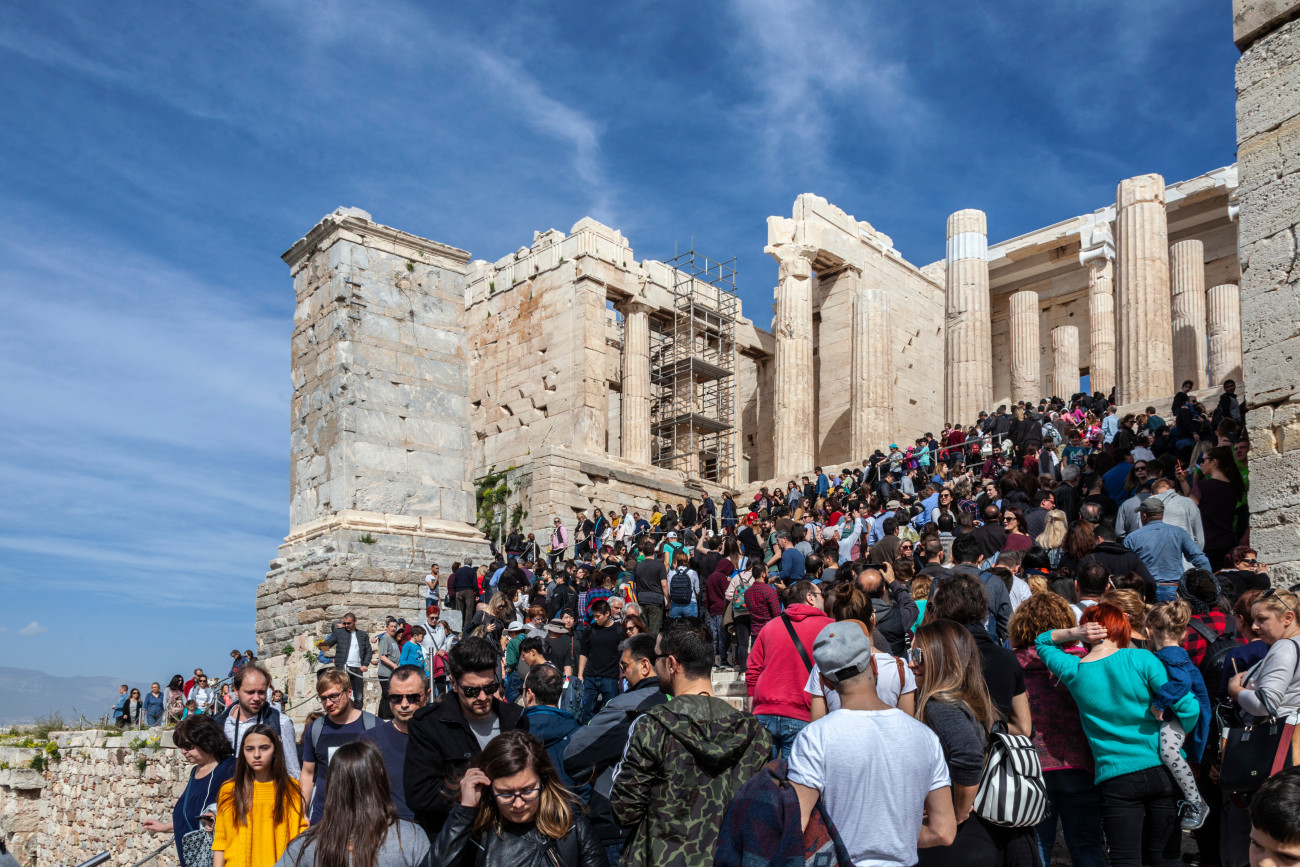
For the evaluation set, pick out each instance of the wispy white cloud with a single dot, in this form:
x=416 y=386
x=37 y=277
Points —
x=33 y=628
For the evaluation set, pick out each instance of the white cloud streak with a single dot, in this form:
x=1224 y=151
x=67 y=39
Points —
x=33 y=628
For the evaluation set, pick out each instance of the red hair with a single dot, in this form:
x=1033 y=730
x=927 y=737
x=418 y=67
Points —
x=1112 y=619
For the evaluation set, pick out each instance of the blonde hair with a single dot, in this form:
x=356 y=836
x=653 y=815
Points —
x=1055 y=531
x=333 y=677
x=1130 y=602
x=1167 y=621
x=954 y=674
x=1280 y=602
x=1038 y=584
x=921 y=587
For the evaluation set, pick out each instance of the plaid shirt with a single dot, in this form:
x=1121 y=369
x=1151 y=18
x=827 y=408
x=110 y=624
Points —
x=1195 y=645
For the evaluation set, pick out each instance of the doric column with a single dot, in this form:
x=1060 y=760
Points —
x=1187 y=277
x=969 y=350
x=1098 y=255
x=792 y=398
x=636 y=382
x=1025 y=351
x=1065 y=361
x=1224 y=303
x=871 y=387
x=1146 y=349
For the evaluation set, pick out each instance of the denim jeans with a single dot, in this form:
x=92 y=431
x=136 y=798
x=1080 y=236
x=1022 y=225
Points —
x=676 y=609
x=1073 y=799
x=719 y=637
x=613 y=854
x=1166 y=592
x=784 y=730
x=1139 y=813
x=595 y=692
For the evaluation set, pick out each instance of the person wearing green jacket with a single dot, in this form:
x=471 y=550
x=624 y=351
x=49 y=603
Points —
x=1114 y=686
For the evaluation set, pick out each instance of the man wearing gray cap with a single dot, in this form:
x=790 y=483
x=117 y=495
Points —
x=1162 y=547
x=880 y=773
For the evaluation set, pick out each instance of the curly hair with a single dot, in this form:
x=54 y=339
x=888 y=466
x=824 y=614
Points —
x=1038 y=614
x=202 y=732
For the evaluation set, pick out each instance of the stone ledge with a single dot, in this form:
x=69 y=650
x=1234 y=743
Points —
x=24 y=779
x=378 y=522
x=1253 y=19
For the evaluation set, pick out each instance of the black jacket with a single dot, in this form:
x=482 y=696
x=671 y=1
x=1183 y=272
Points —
x=341 y=640
x=1116 y=558
x=594 y=749
x=440 y=747
x=516 y=846
x=688 y=516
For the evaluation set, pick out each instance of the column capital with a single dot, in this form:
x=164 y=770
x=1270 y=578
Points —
x=634 y=305
x=1143 y=188
x=1097 y=241
x=791 y=253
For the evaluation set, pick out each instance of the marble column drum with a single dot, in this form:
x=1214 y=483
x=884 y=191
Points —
x=1187 y=278
x=1101 y=325
x=1025 y=352
x=792 y=398
x=1065 y=361
x=1145 y=340
x=1224 y=308
x=871 y=419
x=969 y=376
x=636 y=383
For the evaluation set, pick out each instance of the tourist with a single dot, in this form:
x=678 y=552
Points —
x=360 y=824
x=598 y=661
x=1073 y=800
x=1243 y=572
x=1017 y=530
x=650 y=581
x=742 y=621
x=543 y=688
x=633 y=625
x=792 y=560
x=1163 y=547
x=685 y=759
x=683 y=587
x=431 y=584
x=260 y=809
x=203 y=696
x=1167 y=623
x=894 y=683
x=559 y=544
x=955 y=703
x=250 y=709
x=717 y=583
x=1114 y=686
x=893 y=604
x=351 y=654
x=1056 y=530
x=1217 y=493
x=277 y=701
x=513 y=810
x=594 y=749
x=879 y=774
x=174 y=698
x=237 y=662
x=445 y=738
x=387 y=657
x=413 y=650
x=966 y=556
x=202 y=744
x=1272 y=687
x=341 y=724
x=154 y=705
x=779 y=664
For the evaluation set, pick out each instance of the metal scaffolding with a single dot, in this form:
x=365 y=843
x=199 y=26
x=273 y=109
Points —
x=693 y=364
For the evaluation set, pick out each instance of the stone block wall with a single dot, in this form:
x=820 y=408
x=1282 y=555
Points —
x=1268 y=154
x=94 y=799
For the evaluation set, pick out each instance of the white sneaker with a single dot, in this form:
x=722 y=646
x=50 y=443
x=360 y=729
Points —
x=1194 y=815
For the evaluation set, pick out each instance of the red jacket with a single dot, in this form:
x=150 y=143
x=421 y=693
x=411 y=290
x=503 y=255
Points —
x=775 y=675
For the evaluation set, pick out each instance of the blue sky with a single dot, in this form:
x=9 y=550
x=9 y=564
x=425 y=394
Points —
x=158 y=158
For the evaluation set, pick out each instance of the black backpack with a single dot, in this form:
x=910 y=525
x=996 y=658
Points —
x=679 y=587
x=1215 y=654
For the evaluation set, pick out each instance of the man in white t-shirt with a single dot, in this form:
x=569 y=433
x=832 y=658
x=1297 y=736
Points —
x=431 y=586
x=879 y=773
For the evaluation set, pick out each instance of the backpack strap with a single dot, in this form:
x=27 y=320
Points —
x=316 y=728
x=798 y=645
x=898 y=660
x=368 y=721
x=1204 y=631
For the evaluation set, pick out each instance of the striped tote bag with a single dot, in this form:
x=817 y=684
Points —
x=1011 y=792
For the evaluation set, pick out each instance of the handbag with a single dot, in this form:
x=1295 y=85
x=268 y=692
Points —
x=196 y=848
x=1011 y=791
x=1253 y=753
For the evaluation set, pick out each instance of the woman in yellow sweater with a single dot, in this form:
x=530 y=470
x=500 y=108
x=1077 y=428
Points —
x=260 y=810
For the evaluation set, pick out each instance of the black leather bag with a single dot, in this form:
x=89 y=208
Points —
x=1254 y=753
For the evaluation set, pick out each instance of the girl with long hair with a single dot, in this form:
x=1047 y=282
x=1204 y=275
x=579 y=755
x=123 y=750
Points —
x=1053 y=537
x=1013 y=522
x=261 y=809
x=954 y=702
x=359 y=825
x=513 y=810
x=174 y=698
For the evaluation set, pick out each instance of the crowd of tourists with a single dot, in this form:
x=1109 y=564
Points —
x=1047 y=625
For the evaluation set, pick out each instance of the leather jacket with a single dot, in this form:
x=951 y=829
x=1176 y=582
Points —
x=516 y=846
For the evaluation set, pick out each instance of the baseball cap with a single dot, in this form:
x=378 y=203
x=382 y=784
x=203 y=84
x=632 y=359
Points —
x=893 y=445
x=842 y=650
x=672 y=535
x=1152 y=506
x=893 y=504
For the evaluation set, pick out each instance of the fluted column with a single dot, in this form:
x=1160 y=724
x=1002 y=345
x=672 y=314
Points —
x=1065 y=361
x=1187 y=277
x=1224 y=305
x=1146 y=350
x=968 y=386
x=636 y=383
x=1101 y=323
x=1025 y=351
x=792 y=398
x=871 y=418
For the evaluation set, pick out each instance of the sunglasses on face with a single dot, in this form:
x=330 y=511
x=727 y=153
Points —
x=475 y=691
x=916 y=656
x=402 y=698
x=1251 y=563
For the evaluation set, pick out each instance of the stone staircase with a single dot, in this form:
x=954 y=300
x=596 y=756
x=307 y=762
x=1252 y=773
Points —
x=730 y=686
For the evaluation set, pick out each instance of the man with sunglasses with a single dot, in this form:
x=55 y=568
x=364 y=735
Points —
x=342 y=723
x=445 y=738
x=408 y=691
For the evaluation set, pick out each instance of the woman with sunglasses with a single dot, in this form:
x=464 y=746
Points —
x=1242 y=572
x=513 y=810
x=1013 y=522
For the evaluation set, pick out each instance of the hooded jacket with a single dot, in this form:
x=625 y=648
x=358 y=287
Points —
x=775 y=673
x=594 y=749
x=684 y=762
x=553 y=727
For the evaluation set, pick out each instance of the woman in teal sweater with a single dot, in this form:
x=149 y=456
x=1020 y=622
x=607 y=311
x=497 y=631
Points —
x=1114 y=686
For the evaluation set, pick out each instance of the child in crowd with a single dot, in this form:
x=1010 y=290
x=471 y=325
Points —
x=191 y=708
x=1275 y=821
x=1166 y=625
x=260 y=810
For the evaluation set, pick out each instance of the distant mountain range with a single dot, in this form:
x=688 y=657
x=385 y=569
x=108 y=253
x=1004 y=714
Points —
x=26 y=694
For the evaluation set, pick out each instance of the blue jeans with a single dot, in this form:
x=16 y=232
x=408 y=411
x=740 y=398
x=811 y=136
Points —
x=595 y=692
x=784 y=730
x=677 y=610
x=1075 y=801
x=719 y=637
x=1166 y=592
x=613 y=854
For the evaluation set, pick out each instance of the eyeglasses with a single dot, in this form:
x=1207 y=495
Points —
x=1252 y=563
x=402 y=698
x=330 y=697
x=916 y=656
x=1271 y=592
x=526 y=795
x=474 y=691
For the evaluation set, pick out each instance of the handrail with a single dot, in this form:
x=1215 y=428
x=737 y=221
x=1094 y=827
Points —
x=96 y=860
x=152 y=855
